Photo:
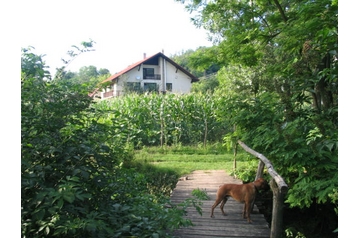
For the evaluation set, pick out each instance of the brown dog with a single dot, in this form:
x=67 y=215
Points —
x=240 y=192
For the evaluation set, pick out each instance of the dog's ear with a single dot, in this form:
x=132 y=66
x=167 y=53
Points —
x=265 y=185
x=262 y=183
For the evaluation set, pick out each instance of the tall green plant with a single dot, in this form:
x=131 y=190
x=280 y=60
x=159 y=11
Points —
x=74 y=182
x=169 y=119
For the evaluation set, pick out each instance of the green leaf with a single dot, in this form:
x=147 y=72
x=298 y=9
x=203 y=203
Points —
x=47 y=230
x=39 y=214
x=60 y=203
x=69 y=196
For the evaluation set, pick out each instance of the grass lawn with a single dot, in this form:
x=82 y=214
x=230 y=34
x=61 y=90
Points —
x=184 y=160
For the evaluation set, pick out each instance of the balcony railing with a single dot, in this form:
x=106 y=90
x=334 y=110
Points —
x=108 y=94
x=155 y=77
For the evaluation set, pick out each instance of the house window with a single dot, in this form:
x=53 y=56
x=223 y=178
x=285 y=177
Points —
x=133 y=86
x=148 y=73
x=169 y=87
x=150 y=87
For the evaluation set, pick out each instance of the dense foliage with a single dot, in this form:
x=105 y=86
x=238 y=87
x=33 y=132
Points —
x=88 y=77
x=279 y=87
x=275 y=89
x=75 y=175
x=155 y=119
x=203 y=64
x=200 y=62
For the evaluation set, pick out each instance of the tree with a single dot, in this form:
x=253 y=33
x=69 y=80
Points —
x=102 y=71
x=200 y=62
x=207 y=84
x=88 y=76
x=281 y=85
x=32 y=65
x=76 y=51
x=87 y=72
x=183 y=60
x=204 y=64
x=299 y=45
x=206 y=60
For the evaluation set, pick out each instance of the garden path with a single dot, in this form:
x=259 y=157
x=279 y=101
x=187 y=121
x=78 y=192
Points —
x=232 y=225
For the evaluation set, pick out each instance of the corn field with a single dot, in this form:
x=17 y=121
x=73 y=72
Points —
x=170 y=119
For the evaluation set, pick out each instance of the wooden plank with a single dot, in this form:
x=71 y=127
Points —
x=232 y=225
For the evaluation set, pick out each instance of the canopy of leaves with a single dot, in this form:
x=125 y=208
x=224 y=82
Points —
x=88 y=77
x=279 y=85
x=204 y=64
x=200 y=62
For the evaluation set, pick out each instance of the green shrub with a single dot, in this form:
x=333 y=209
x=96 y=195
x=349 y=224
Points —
x=246 y=171
x=201 y=194
x=74 y=179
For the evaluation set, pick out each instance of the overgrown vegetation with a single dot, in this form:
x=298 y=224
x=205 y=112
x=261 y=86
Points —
x=79 y=175
x=155 y=119
x=278 y=86
x=76 y=178
x=275 y=89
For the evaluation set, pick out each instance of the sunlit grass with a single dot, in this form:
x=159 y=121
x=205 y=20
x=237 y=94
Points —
x=185 y=160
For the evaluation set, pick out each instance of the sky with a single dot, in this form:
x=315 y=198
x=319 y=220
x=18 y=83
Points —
x=123 y=31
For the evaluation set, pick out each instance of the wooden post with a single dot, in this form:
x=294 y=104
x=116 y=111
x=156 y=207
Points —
x=235 y=153
x=278 y=187
x=259 y=174
x=277 y=211
x=260 y=170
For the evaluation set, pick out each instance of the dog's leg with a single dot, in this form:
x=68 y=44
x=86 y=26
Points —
x=244 y=211
x=223 y=204
x=247 y=211
x=214 y=205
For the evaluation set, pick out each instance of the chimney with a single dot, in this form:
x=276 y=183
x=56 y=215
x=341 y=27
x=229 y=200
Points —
x=144 y=55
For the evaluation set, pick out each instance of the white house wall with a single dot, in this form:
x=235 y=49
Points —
x=181 y=83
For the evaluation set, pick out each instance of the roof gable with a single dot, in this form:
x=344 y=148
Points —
x=149 y=60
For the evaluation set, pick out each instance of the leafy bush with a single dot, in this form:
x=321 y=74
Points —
x=74 y=181
x=246 y=171
x=200 y=194
x=159 y=182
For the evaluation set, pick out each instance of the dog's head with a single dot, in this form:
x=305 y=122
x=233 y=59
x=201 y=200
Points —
x=261 y=184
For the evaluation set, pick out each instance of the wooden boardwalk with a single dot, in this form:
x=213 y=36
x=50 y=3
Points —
x=232 y=225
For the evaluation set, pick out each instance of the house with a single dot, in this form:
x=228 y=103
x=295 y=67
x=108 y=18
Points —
x=155 y=73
